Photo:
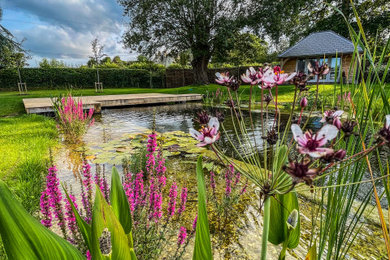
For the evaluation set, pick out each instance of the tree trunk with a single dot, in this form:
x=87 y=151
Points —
x=199 y=67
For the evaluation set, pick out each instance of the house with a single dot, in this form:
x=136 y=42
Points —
x=336 y=49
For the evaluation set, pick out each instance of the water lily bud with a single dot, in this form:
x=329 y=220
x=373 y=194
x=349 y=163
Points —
x=292 y=219
x=303 y=102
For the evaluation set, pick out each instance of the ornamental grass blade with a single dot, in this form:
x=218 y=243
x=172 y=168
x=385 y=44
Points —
x=312 y=254
x=119 y=202
x=25 y=238
x=202 y=250
x=281 y=207
x=104 y=217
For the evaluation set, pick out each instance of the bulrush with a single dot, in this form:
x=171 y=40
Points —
x=252 y=76
x=310 y=143
x=301 y=171
x=318 y=69
x=384 y=133
x=223 y=78
x=207 y=135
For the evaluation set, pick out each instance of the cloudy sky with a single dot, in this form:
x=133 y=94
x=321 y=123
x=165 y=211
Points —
x=64 y=29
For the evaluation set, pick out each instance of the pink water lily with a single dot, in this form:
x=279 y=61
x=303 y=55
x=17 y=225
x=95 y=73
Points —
x=252 y=76
x=275 y=77
x=310 y=143
x=207 y=135
x=223 y=78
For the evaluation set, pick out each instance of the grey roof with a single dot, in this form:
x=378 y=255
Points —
x=320 y=43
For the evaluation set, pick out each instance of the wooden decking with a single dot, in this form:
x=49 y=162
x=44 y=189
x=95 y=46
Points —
x=44 y=105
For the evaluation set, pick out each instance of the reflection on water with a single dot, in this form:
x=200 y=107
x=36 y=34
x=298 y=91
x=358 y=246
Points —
x=108 y=141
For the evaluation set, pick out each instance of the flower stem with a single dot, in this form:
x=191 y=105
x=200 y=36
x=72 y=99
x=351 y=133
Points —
x=266 y=220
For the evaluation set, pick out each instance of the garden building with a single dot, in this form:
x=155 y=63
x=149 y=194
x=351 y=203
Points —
x=334 y=48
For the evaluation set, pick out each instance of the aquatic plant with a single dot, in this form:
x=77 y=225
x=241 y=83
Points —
x=72 y=121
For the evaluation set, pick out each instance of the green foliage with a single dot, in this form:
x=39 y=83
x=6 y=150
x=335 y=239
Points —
x=202 y=250
x=244 y=48
x=25 y=238
x=79 y=77
x=53 y=63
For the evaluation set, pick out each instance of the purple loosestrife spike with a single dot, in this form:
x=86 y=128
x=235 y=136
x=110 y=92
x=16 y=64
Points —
x=212 y=181
x=172 y=200
x=128 y=187
x=183 y=200
x=151 y=148
x=207 y=135
x=182 y=236
x=243 y=190
x=45 y=209
x=52 y=184
x=89 y=257
x=311 y=144
x=228 y=181
x=194 y=223
x=71 y=219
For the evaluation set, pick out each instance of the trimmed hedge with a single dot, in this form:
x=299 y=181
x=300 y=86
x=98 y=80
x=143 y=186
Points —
x=51 y=78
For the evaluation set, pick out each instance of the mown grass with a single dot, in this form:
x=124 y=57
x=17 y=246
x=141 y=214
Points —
x=24 y=152
x=11 y=103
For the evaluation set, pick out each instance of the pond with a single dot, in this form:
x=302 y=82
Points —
x=118 y=133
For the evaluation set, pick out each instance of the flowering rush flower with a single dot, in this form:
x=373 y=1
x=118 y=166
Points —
x=384 y=133
x=332 y=117
x=252 y=76
x=318 y=69
x=300 y=171
x=223 y=78
x=275 y=77
x=310 y=143
x=207 y=135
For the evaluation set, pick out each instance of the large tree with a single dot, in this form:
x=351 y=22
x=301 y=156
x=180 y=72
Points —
x=292 y=20
x=201 y=26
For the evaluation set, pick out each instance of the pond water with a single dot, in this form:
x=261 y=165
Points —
x=118 y=133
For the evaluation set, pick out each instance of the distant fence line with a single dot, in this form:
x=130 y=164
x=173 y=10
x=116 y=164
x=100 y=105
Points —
x=54 y=78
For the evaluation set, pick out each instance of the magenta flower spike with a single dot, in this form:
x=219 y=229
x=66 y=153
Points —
x=310 y=143
x=194 y=223
x=172 y=200
x=45 y=209
x=71 y=218
x=183 y=200
x=182 y=236
x=207 y=135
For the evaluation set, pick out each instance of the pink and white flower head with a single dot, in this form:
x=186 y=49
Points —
x=275 y=77
x=223 y=78
x=310 y=143
x=384 y=133
x=332 y=117
x=252 y=76
x=318 y=69
x=207 y=135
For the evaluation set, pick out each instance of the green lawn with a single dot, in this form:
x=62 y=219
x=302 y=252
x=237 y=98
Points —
x=11 y=103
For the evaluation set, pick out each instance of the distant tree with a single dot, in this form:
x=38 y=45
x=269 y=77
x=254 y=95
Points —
x=117 y=60
x=143 y=58
x=201 y=26
x=12 y=53
x=243 y=48
x=97 y=55
x=53 y=63
x=106 y=60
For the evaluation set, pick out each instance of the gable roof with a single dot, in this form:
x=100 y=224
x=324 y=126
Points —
x=319 y=44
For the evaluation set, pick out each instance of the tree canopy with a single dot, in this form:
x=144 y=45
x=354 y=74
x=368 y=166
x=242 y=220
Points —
x=201 y=26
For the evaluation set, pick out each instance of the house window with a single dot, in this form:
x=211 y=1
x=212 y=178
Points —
x=301 y=66
x=335 y=63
